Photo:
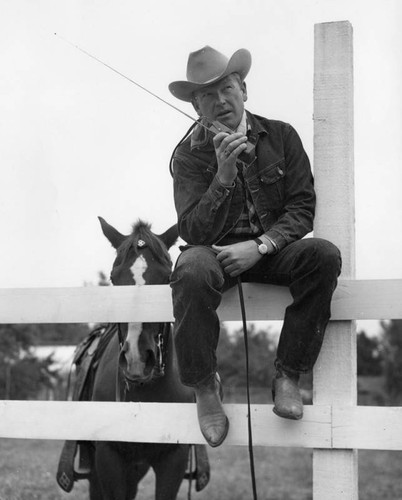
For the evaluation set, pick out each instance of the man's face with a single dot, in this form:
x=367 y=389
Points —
x=222 y=101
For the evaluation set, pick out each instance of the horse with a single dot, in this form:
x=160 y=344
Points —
x=139 y=364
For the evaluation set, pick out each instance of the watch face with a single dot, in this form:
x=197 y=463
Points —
x=263 y=249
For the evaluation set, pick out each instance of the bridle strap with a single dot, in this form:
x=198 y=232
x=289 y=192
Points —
x=118 y=378
x=162 y=347
x=250 y=435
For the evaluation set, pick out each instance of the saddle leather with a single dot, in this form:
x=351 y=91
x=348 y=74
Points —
x=65 y=471
x=85 y=360
x=201 y=473
x=75 y=460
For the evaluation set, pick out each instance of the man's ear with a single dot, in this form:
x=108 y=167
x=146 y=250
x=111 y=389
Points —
x=244 y=91
x=194 y=102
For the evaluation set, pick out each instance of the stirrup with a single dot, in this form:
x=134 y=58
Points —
x=201 y=471
x=65 y=470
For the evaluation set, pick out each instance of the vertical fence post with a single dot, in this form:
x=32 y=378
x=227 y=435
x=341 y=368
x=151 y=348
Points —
x=335 y=474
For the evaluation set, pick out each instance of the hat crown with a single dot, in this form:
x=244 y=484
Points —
x=205 y=65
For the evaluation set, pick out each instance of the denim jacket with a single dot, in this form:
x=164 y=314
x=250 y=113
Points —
x=279 y=180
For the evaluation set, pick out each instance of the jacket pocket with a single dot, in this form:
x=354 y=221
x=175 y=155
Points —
x=272 y=182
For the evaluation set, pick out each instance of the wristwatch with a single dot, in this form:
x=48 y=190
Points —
x=262 y=247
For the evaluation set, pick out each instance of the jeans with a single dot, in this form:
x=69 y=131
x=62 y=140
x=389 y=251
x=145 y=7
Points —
x=309 y=267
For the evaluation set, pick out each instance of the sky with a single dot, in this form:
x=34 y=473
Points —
x=78 y=141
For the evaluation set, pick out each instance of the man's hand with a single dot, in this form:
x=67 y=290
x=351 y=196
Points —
x=227 y=148
x=237 y=258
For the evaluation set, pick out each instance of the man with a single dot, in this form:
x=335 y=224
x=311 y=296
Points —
x=244 y=215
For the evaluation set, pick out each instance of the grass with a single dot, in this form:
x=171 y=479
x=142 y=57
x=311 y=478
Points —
x=27 y=472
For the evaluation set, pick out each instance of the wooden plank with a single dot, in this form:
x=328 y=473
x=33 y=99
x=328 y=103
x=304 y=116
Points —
x=367 y=427
x=157 y=422
x=353 y=299
x=335 y=473
x=367 y=299
x=329 y=428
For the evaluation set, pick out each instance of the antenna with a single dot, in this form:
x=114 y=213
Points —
x=126 y=77
x=215 y=126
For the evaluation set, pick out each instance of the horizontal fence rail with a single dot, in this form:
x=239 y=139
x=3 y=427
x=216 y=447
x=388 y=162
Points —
x=325 y=427
x=333 y=429
x=353 y=299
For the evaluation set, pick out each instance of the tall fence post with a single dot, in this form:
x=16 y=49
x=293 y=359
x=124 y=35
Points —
x=335 y=472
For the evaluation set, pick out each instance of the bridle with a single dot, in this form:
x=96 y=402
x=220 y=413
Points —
x=162 y=343
x=161 y=346
x=123 y=384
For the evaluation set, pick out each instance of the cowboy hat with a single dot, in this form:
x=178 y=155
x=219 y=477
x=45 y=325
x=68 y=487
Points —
x=207 y=66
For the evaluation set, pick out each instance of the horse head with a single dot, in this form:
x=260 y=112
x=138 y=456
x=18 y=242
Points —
x=142 y=258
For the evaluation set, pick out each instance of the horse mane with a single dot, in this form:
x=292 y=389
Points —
x=142 y=231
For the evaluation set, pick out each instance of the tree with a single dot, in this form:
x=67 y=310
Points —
x=393 y=359
x=232 y=361
x=22 y=375
x=58 y=333
x=13 y=341
x=103 y=280
x=30 y=376
x=369 y=355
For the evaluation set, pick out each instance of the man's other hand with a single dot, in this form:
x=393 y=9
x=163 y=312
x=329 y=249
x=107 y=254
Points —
x=237 y=258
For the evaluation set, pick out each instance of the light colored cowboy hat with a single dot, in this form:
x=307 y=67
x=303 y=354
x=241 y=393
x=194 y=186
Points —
x=207 y=66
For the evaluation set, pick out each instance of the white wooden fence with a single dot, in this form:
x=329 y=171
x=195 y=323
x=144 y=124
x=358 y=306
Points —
x=334 y=426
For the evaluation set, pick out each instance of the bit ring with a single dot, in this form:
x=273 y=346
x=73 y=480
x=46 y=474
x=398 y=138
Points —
x=226 y=153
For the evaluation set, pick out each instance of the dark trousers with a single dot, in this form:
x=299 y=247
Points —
x=309 y=267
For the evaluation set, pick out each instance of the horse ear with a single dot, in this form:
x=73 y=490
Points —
x=115 y=238
x=170 y=236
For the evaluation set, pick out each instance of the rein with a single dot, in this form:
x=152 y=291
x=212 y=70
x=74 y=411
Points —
x=250 y=434
x=161 y=356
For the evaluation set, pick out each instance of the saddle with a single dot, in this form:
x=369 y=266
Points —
x=76 y=458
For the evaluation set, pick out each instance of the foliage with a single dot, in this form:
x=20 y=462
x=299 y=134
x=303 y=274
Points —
x=58 y=333
x=22 y=375
x=14 y=340
x=393 y=360
x=369 y=355
x=103 y=280
x=232 y=360
x=29 y=376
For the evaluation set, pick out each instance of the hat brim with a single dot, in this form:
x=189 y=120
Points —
x=240 y=63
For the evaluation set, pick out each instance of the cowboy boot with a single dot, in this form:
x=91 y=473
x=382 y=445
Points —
x=213 y=422
x=286 y=396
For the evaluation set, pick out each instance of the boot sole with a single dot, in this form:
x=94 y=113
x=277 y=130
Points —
x=222 y=439
x=289 y=416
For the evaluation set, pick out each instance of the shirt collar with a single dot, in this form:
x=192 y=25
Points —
x=244 y=126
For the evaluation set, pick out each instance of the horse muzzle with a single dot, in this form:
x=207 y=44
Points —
x=138 y=371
